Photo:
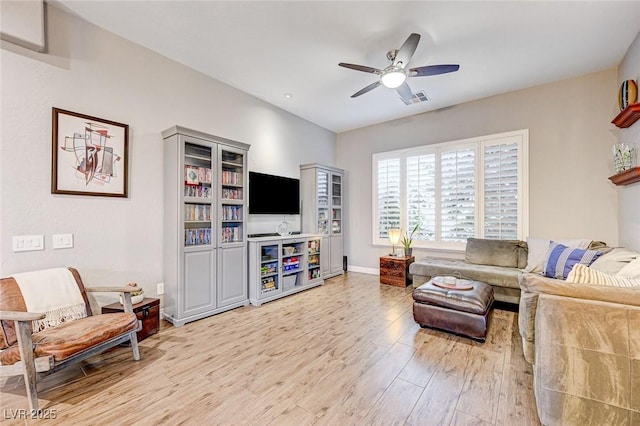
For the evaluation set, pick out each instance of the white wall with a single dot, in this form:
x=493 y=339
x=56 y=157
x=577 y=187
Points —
x=629 y=196
x=570 y=138
x=91 y=71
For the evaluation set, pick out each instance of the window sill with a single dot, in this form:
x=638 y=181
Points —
x=452 y=248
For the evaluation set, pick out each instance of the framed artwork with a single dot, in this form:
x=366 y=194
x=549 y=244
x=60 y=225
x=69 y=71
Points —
x=89 y=155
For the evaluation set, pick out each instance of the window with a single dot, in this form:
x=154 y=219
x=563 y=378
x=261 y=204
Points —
x=471 y=188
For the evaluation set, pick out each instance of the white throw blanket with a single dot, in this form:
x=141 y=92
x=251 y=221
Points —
x=53 y=292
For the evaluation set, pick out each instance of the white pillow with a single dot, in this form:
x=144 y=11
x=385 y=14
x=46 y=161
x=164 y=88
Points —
x=612 y=263
x=582 y=274
x=538 y=247
x=632 y=270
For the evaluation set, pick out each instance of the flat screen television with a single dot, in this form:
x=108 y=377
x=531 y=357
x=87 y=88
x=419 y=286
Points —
x=269 y=194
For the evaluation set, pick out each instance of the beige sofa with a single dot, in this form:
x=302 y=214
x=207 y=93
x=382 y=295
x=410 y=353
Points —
x=584 y=344
x=582 y=340
x=495 y=262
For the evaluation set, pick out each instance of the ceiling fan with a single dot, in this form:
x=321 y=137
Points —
x=395 y=75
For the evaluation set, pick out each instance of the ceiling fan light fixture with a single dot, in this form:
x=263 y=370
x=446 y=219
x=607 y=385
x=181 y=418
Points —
x=393 y=78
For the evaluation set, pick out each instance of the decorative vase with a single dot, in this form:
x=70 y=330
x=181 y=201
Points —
x=627 y=94
x=408 y=251
x=283 y=228
x=623 y=157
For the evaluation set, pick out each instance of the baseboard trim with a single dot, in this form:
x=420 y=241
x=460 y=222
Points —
x=362 y=269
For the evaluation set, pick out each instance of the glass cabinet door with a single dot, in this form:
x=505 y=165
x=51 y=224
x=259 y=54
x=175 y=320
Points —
x=232 y=195
x=336 y=204
x=198 y=195
x=323 y=202
x=336 y=190
x=269 y=269
x=313 y=259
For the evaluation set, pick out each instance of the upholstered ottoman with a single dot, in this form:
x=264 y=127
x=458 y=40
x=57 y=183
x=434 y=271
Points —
x=457 y=311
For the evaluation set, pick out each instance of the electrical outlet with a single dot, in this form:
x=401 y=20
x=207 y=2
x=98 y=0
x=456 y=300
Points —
x=28 y=243
x=160 y=288
x=62 y=241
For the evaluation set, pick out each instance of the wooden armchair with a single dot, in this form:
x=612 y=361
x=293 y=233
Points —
x=31 y=344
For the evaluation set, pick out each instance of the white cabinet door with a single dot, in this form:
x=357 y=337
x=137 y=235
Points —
x=336 y=254
x=325 y=256
x=232 y=280
x=198 y=289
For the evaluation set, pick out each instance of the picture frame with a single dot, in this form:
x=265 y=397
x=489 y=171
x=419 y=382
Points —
x=89 y=155
x=400 y=253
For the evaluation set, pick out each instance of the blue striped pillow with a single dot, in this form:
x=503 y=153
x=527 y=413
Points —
x=561 y=259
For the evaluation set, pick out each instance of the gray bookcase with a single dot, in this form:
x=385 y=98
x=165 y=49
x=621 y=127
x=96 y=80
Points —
x=280 y=266
x=205 y=234
x=321 y=191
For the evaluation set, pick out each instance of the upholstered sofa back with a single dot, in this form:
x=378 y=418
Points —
x=508 y=253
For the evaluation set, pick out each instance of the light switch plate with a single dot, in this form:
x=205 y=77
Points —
x=62 y=241
x=28 y=243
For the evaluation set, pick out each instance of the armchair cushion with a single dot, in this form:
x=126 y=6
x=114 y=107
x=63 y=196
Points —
x=73 y=337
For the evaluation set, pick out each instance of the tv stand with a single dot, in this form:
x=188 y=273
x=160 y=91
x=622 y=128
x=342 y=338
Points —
x=283 y=265
x=271 y=234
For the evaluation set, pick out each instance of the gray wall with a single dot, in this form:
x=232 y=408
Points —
x=91 y=71
x=570 y=138
x=629 y=196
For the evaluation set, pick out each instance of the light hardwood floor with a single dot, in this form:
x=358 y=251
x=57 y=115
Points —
x=346 y=353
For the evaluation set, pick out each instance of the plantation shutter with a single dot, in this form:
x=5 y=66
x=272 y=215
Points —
x=501 y=191
x=388 y=209
x=457 y=171
x=421 y=196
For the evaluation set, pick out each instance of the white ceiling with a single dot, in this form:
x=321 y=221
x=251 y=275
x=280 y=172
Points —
x=268 y=49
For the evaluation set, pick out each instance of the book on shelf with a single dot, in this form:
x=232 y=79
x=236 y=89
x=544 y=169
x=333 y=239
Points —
x=197 y=212
x=197 y=191
x=197 y=236
x=231 y=194
x=231 y=178
x=231 y=234
x=232 y=213
x=194 y=175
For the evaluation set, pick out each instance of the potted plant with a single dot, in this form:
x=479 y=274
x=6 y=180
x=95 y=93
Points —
x=407 y=239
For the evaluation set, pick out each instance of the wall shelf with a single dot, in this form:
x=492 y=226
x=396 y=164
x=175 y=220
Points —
x=627 y=177
x=627 y=116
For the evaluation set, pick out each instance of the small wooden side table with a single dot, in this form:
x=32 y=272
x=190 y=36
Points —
x=395 y=270
x=147 y=311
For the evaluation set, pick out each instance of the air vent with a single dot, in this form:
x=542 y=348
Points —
x=417 y=98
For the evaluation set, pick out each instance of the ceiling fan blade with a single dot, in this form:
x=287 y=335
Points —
x=432 y=70
x=362 y=68
x=405 y=92
x=407 y=50
x=366 y=89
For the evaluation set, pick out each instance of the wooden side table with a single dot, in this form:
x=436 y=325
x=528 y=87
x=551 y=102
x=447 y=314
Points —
x=395 y=270
x=147 y=311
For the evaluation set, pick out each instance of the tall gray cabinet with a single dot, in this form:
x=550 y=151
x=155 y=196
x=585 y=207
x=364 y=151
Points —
x=321 y=191
x=205 y=232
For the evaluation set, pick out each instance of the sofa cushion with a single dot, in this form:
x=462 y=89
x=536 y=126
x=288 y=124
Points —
x=561 y=259
x=500 y=276
x=68 y=339
x=613 y=262
x=582 y=274
x=632 y=270
x=481 y=251
x=537 y=251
